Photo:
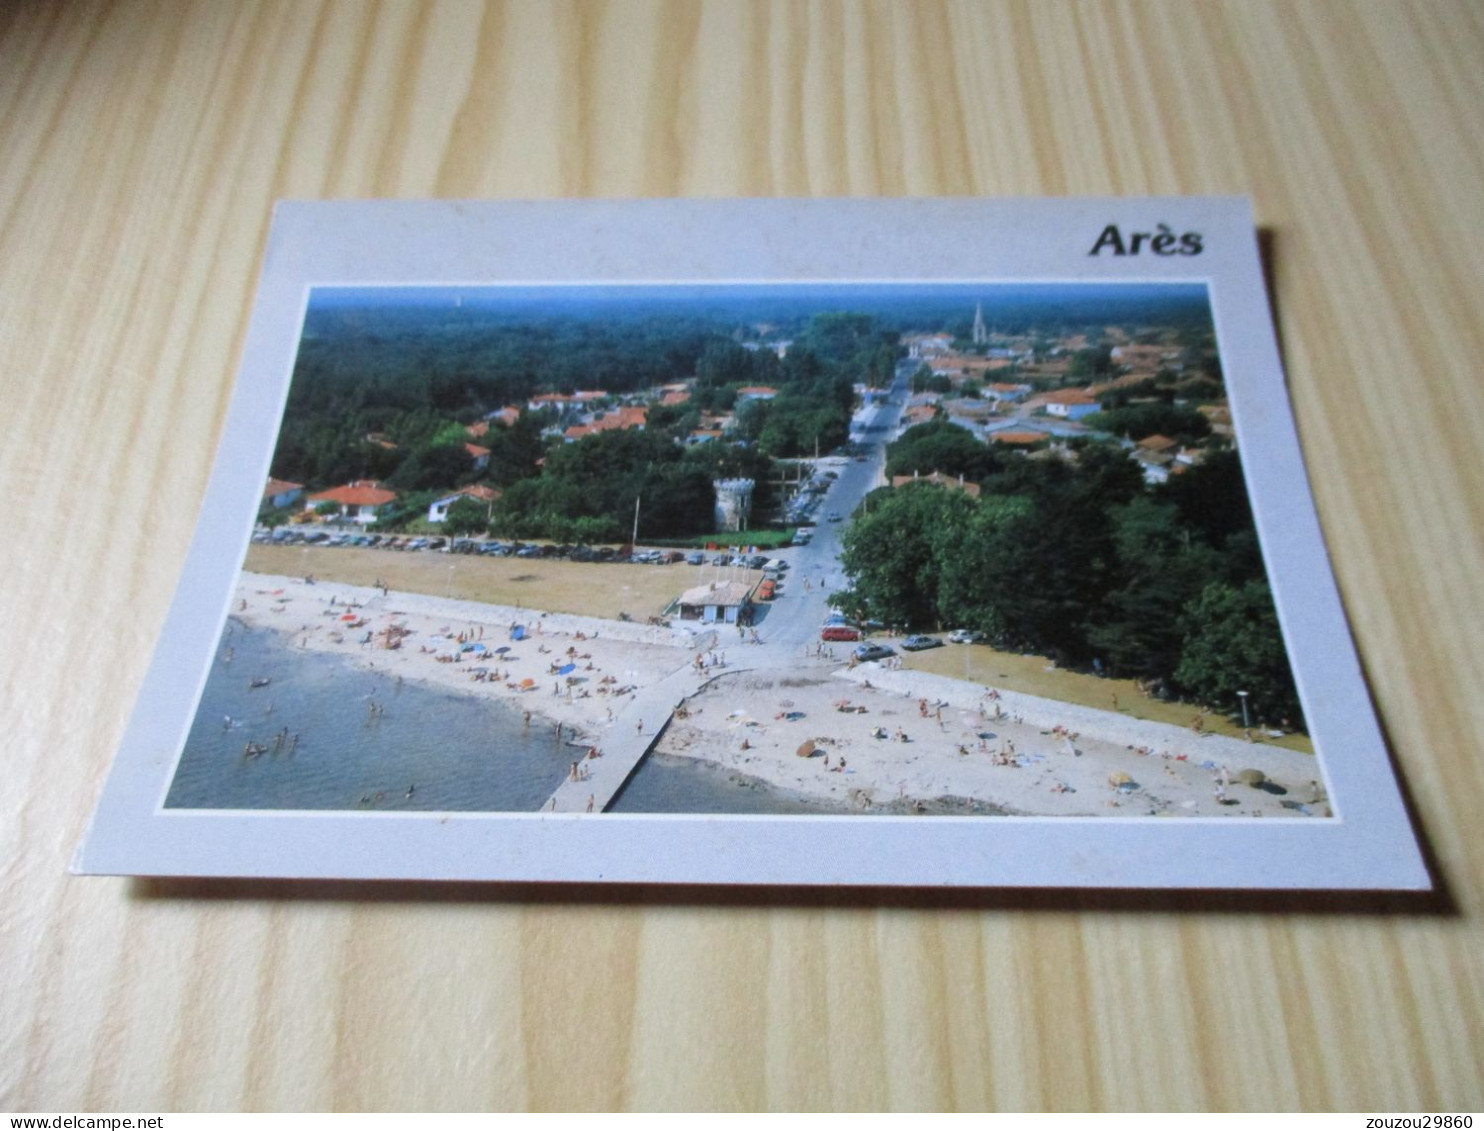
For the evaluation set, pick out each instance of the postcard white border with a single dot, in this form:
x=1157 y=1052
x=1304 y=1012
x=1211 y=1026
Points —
x=1368 y=845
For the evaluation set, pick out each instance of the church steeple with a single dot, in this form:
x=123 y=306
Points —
x=980 y=335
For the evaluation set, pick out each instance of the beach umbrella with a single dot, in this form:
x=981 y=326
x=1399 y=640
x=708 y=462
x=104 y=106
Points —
x=806 y=750
x=502 y=649
x=348 y=616
x=1252 y=777
x=518 y=632
x=1118 y=778
x=794 y=716
x=565 y=668
x=528 y=683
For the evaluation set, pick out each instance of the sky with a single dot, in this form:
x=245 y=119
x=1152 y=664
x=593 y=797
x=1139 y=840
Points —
x=903 y=304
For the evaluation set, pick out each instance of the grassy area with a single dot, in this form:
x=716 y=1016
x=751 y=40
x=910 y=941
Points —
x=762 y=539
x=1033 y=675
x=588 y=589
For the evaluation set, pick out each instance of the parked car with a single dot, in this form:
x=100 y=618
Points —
x=835 y=516
x=865 y=653
x=921 y=643
x=695 y=557
x=839 y=632
x=966 y=636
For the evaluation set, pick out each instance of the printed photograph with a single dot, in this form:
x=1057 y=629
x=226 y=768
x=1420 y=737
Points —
x=969 y=549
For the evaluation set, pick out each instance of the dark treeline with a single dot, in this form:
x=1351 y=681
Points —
x=1080 y=561
x=386 y=394
x=588 y=490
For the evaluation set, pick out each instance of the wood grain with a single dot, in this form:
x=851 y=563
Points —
x=141 y=146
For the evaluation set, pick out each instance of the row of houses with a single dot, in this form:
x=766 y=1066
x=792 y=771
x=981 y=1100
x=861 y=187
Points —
x=363 y=501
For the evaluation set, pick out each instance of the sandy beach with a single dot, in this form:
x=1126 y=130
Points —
x=874 y=740
x=453 y=645
x=924 y=743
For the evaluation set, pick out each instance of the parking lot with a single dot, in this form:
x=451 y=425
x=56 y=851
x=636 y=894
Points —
x=551 y=583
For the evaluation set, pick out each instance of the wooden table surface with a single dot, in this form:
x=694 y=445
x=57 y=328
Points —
x=141 y=146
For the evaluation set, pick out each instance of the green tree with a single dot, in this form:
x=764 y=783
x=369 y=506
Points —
x=1233 y=643
x=896 y=547
x=467 y=516
x=444 y=465
x=1212 y=498
x=1137 y=628
x=1140 y=420
x=943 y=447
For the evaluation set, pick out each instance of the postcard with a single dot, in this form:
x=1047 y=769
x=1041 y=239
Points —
x=830 y=542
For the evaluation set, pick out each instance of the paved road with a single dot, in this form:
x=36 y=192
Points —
x=786 y=630
x=792 y=622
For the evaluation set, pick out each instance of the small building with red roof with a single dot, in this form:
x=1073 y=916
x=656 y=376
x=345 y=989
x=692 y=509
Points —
x=1071 y=404
x=1015 y=439
x=281 y=493
x=438 y=511
x=361 y=501
x=616 y=419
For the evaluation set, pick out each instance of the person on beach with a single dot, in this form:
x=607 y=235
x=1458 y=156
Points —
x=591 y=801
x=573 y=774
x=639 y=727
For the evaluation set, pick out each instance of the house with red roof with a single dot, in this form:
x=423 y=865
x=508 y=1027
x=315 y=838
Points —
x=1158 y=443
x=1016 y=439
x=438 y=511
x=362 y=500
x=480 y=456
x=281 y=493
x=756 y=393
x=616 y=419
x=1071 y=404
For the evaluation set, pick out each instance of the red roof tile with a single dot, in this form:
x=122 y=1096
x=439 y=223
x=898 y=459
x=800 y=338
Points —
x=362 y=493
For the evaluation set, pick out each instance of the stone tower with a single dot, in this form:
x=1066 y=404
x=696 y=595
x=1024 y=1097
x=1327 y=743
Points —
x=733 y=503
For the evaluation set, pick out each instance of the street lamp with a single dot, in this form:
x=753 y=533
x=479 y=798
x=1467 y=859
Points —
x=1242 y=695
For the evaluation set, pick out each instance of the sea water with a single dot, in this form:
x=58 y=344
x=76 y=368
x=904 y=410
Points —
x=354 y=739
x=335 y=736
